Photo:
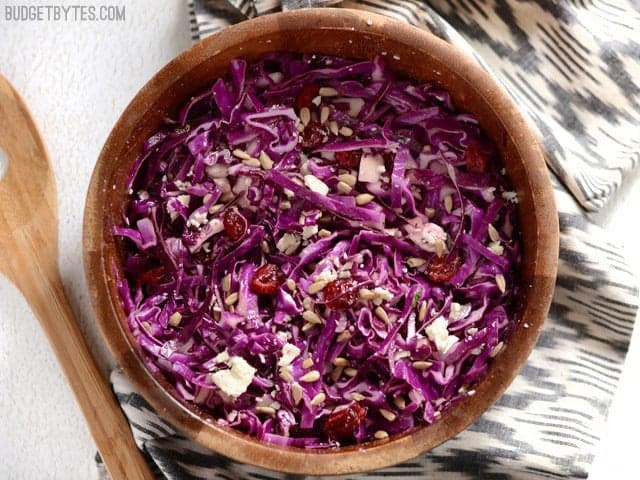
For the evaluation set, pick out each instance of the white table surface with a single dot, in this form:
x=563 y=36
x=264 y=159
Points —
x=77 y=77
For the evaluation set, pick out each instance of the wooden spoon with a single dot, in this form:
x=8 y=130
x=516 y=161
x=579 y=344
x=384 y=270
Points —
x=29 y=258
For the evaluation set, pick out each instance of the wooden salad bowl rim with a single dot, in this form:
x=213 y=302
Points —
x=412 y=52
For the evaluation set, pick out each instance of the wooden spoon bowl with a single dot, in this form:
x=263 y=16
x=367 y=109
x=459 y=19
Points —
x=412 y=52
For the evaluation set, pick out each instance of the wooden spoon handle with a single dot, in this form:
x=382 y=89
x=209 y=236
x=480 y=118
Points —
x=39 y=280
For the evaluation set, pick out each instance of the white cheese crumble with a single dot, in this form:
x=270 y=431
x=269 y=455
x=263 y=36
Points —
x=327 y=275
x=197 y=218
x=510 y=196
x=426 y=235
x=289 y=354
x=438 y=333
x=288 y=243
x=234 y=381
x=309 y=231
x=371 y=167
x=184 y=199
x=459 y=312
x=315 y=184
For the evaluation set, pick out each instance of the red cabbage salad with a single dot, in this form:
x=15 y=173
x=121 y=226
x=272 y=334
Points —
x=318 y=252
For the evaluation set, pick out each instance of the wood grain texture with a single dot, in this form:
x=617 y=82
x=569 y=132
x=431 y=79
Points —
x=411 y=52
x=29 y=258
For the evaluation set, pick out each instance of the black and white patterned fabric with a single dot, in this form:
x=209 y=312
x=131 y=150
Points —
x=571 y=67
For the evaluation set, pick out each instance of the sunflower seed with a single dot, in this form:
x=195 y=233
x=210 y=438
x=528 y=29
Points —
x=296 y=392
x=415 y=262
x=348 y=178
x=422 y=312
x=323 y=233
x=266 y=410
x=328 y=92
x=382 y=315
x=311 y=317
x=344 y=336
x=497 y=349
x=333 y=127
x=305 y=115
x=346 y=131
x=366 y=294
x=496 y=248
x=175 y=319
x=324 y=114
x=252 y=162
x=399 y=402
x=344 y=188
x=441 y=248
x=307 y=363
x=364 y=198
x=265 y=161
x=388 y=415
x=420 y=365
x=318 y=399
x=315 y=287
x=231 y=299
x=241 y=154
x=310 y=377
x=448 y=203
x=494 y=235
x=336 y=373
x=381 y=435
x=285 y=373
x=350 y=372
x=358 y=397
x=340 y=362
x=226 y=283
x=501 y=282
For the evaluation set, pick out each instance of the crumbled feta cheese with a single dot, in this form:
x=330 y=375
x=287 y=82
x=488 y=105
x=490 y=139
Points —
x=315 y=184
x=197 y=218
x=510 y=196
x=327 y=275
x=288 y=243
x=383 y=293
x=184 y=199
x=371 y=167
x=426 y=235
x=309 y=231
x=289 y=353
x=234 y=381
x=223 y=184
x=276 y=77
x=438 y=333
x=496 y=248
x=217 y=170
x=222 y=357
x=458 y=312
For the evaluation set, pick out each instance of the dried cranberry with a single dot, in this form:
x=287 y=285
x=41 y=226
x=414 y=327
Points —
x=313 y=135
x=340 y=294
x=342 y=425
x=267 y=279
x=235 y=225
x=152 y=276
x=389 y=159
x=442 y=269
x=306 y=96
x=349 y=159
x=475 y=158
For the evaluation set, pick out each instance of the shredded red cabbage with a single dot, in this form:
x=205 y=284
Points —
x=318 y=252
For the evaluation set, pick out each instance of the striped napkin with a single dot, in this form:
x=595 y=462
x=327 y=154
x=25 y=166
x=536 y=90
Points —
x=573 y=68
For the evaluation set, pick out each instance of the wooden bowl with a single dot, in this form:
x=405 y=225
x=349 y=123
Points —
x=412 y=52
